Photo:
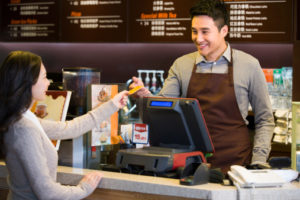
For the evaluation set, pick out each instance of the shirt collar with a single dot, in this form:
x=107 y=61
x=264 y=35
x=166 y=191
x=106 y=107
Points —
x=32 y=117
x=226 y=55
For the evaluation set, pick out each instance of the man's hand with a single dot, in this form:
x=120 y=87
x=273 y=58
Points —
x=143 y=92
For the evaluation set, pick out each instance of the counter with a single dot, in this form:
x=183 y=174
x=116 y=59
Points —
x=128 y=186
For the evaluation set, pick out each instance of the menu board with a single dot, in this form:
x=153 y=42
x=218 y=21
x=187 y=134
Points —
x=138 y=20
x=94 y=21
x=160 y=20
x=260 y=20
x=250 y=20
x=29 y=20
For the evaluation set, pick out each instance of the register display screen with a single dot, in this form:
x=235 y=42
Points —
x=167 y=104
x=176 y=123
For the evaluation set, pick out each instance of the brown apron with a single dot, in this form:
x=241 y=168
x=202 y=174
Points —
x=227 y=128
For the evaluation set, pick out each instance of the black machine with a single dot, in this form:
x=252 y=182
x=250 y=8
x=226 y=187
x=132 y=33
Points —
x=178 y=137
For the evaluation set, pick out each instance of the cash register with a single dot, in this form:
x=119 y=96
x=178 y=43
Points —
x=178 y=138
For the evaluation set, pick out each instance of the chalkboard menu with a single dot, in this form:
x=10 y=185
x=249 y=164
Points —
x=94 y=21
x=250 y=20
x=260 y=20
x=29 y=20
x=138 y=20
x=160 y=21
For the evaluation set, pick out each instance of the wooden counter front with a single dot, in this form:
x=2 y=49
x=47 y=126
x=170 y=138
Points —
x=138 y=187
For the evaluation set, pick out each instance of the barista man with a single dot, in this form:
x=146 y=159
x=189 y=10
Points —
x=225 y=81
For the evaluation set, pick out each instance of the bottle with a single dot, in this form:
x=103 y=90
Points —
x=147 y=80
x=153 y=84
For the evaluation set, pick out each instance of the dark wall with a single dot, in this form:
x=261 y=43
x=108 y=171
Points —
x=119 y=61
x=296 y=52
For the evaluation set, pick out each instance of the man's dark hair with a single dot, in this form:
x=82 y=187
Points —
x=215 y=9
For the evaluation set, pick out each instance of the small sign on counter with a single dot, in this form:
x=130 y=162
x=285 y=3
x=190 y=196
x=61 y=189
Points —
x=140 y=134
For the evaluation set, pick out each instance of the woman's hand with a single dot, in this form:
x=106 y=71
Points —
x=92 y=179
x=143 y=92
x=120 y=100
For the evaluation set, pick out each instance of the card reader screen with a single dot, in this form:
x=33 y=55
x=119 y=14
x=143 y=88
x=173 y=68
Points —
x=167 y=104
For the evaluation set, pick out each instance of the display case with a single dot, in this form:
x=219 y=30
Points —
x=296 y=136
x=77 y=79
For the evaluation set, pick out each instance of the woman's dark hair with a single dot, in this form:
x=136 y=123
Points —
x=215 y=9
x=18 y=73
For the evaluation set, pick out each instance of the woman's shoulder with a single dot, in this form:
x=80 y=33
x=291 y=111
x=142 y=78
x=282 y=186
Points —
x=22 y=128
x=24 y=124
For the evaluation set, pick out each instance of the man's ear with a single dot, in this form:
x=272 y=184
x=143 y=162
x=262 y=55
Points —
x=224 y=30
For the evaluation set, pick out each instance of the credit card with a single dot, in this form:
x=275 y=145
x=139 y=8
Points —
x=135 y=89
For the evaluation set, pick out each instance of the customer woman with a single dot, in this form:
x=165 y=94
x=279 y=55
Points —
x=30 y=157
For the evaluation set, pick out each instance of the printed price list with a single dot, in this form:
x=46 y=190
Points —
x=94 y=20
x=260 y=21
x=160 y=21
x=29 y=20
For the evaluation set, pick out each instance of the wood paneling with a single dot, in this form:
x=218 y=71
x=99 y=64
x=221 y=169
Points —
x=3 y=193
x=105 y=194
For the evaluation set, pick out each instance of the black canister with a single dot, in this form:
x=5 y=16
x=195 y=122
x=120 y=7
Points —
x=77 y=80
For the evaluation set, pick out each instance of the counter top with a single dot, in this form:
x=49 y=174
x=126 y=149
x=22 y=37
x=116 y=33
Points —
x=170 y=187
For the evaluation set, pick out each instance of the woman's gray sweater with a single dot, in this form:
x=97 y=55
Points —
x=32 y=161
